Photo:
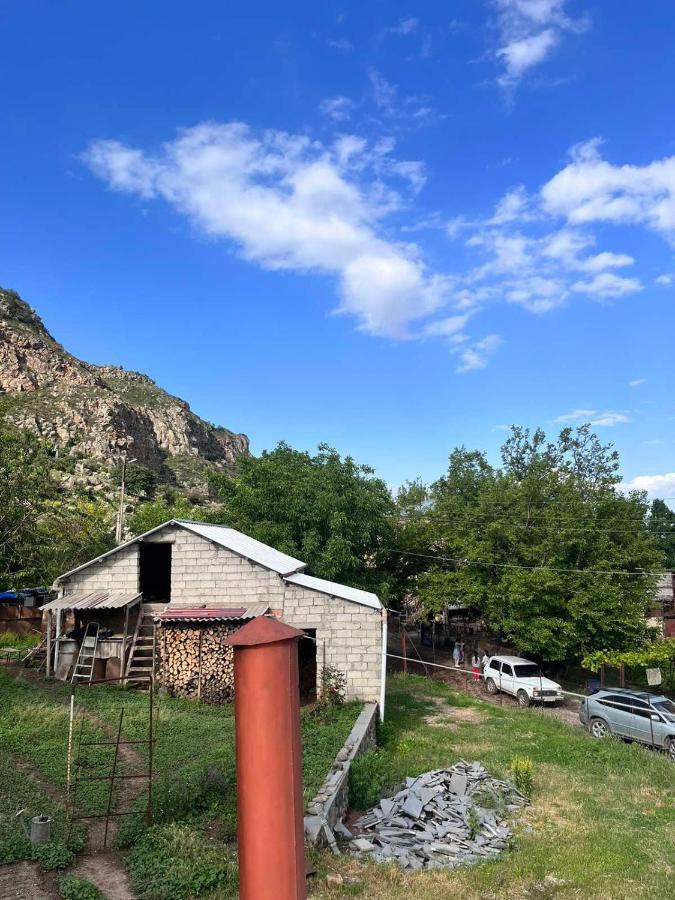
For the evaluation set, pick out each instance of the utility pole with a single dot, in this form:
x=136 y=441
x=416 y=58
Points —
x=119 y=527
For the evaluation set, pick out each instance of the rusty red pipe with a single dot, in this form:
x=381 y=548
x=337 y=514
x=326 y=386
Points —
x=270 y=829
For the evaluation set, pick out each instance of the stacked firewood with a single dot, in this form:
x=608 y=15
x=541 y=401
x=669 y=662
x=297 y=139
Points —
x=196 y=663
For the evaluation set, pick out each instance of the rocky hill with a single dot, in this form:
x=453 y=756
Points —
x=92 y=413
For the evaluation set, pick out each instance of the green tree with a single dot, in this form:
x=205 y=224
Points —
x=171 y=505
x=42 y=532
x=327 y=510
x=662 y=526
x=526 y=543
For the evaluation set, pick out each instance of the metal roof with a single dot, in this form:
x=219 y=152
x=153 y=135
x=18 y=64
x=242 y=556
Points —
x=226 y=537
x=245 y=546
x=93 y=600
x=214 y=614
x=333 y=589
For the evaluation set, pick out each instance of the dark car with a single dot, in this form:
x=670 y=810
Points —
x=632 y=715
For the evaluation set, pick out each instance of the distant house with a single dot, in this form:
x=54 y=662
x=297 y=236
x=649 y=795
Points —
x=165 y=600
x=662 y=613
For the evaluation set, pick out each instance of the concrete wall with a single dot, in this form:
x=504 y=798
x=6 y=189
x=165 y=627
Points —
x=352 y=635
x=118 y=572
x=204 y=573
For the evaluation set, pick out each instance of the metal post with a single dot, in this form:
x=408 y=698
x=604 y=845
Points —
x=124 y=643
x=404 y=653
x=111 y=792
x=70 y=742
x=48 y=665
x=120 y=512
x=270 y=827
x=199 y=667
x=151 y=750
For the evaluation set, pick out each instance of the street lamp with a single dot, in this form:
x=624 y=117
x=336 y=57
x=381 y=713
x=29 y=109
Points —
x=119 y=527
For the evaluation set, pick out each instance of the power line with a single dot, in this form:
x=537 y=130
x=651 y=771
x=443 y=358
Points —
x=486 y=563
x=557 y=525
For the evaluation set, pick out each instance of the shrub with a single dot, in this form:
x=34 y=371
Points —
x=368 y=778
x=522 y=772
x=332 y=690
x=176 y=862
x=73 y=888
x=53 y=855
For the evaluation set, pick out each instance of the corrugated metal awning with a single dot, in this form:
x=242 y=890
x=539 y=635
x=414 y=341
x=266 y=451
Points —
x=214 y=614
x=93 y=600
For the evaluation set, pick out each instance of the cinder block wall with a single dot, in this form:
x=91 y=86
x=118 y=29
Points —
x=352 y=636
x=118 y=572
x=204 y=573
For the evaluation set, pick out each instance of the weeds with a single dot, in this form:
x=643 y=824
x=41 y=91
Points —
x=73 y=888
x=522 y=772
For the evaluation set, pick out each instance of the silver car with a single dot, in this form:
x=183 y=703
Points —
x=633 y=715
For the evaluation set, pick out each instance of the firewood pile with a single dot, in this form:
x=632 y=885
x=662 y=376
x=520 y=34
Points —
x=195 y=662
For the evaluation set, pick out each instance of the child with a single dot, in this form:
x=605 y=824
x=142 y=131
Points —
x=455 y=654
x=475 y=667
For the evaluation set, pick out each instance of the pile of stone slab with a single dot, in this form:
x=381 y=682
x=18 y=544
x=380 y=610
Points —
x=442 y=819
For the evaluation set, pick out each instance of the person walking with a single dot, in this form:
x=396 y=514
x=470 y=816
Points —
x=484 y=660
x=475 y=666
x=461 y=654
x=456 y=654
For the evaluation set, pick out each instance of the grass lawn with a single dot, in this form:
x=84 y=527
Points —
x=602 y=821
x=190 y=851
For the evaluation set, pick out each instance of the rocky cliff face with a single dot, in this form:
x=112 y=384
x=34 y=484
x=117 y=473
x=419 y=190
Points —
x=98 y=411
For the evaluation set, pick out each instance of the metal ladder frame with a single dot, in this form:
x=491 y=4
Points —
x=83 y=653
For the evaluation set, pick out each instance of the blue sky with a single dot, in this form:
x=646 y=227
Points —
x=392 y=227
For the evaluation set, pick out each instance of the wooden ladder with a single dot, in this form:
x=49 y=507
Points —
x=82 y=669
x=142 y=654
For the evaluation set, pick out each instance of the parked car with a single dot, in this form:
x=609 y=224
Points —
x=633 y=715
x=521 y=678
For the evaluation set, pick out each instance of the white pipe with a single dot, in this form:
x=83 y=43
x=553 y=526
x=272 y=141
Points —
x=57 y=642
x=383 y=673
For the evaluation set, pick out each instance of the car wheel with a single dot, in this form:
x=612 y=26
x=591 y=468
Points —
x=670 y=748
x=491 y=686
x=523 y=698
x=599 y=728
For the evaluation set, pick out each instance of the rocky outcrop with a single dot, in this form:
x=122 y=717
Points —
x=98 y=411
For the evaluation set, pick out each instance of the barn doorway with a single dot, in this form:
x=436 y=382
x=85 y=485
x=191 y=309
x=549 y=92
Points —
x=307 y=666
x=154 y=573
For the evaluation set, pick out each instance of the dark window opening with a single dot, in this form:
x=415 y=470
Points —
x=307 y=666
x=154 y=580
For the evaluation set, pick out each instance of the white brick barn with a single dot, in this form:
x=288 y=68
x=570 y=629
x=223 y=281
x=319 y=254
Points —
x=190 y=581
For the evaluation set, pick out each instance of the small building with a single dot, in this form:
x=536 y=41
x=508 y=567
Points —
x=662 y=614
x=164 y=601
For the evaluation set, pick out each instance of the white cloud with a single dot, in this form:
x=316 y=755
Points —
x=636 y=382
x=607 y=284
x=654 y=485
x=590 y=189
x=342 y=44
x=404 y=26
x=476 y=355
x=665 y=280
x=411 y=110
x=529 y=32
x=337 y=108
x=290 y=203
x=609 y=418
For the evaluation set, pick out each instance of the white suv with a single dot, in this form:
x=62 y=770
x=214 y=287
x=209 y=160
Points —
x=521 y=678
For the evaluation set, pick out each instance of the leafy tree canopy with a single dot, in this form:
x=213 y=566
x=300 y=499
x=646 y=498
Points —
x=662 y=526
x=42 y=532
x=523 y=545
x=327 y=510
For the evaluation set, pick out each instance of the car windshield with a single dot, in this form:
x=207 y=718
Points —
x=529 y=671
x=666 y=707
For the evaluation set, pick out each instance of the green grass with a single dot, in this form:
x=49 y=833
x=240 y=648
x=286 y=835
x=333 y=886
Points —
x=73 y=888
x=195 y=758
x=602 y=819
x=23 y=642
x=34 y=732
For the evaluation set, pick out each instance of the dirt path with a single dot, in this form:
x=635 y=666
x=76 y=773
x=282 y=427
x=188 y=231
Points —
x=102 y=866
x=25 y=881
x=567 y=711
